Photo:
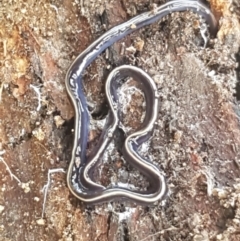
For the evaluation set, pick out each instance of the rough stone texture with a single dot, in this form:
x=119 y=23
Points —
x=196 y=142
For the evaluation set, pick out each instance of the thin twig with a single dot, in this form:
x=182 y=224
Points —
x=54 y=7
x=1 y=90
x=160 y=233
x=8 y=169
x=45 y=188
x=204 y=34
x=36 y=89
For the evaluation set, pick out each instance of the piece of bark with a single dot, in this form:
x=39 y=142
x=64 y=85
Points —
x=196 y=140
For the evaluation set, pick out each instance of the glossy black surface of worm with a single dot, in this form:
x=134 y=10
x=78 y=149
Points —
x=79 y=181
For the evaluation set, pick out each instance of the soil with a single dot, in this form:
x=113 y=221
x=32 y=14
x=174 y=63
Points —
x=196 y=142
